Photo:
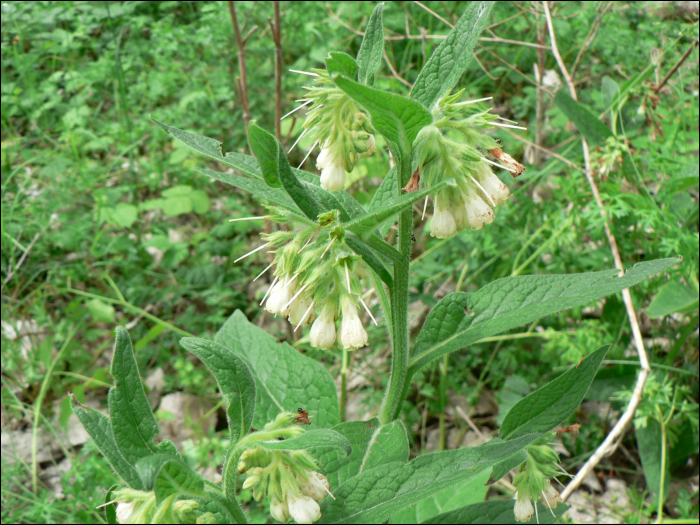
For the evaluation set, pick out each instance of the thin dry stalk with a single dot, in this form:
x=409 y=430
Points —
x=242 y=80
x=276 y=27
x=609 y=444
x=590 y=38
x=539 y=122
x=676 y=66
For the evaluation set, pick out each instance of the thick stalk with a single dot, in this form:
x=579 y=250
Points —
x=399 y=306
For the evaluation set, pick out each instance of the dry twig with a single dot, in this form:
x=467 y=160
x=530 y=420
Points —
x=676 y=66
x=276 y=27
x=609 y=444
x=242 y=80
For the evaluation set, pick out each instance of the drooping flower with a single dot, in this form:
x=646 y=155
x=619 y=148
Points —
x=124 y=511
x=322 y=333
x=280 y=295
x=279 y=509
x=496 y=192
x=550 y=496
x=443 y=224
x=523 y=510
x=301 y=309
x=333 y=176
x=478 y=212
x=352 y=333
x=324 y=158
x=317 y=486
x=303 y=509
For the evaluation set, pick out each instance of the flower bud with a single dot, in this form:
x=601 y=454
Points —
x=253 y=477
x=316 y=486
x=443 y=223
x=303 y=509
x=207 y=517
x=371 y=145
x=298 y=308
x=352 y=333
x=124 y=511
x=523 y=510
x=279 y=509
x=322 y=333
x=184 y=510
x=478 y=212
x=333 y=176
x=550 y=496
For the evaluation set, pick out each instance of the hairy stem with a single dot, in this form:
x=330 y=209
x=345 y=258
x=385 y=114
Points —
x=399 y=304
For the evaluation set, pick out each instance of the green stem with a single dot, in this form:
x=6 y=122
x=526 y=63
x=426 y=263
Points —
x=662 y=480
x=399 y=304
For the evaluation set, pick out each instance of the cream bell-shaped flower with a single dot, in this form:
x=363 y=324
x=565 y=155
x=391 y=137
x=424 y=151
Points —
x=523 y=510
x=303 y=509
x=279 y=509
x=124 y=511
x=371 y=145
x=478 y=212
x=550 y=496
x=280 y=296
x=316 y=486
x=352 y=333
x=322 y=333
x=333 y=176
x=298 y=308
x=493 y=186
x=323 y=158
x=443 y=224
x=459 y=213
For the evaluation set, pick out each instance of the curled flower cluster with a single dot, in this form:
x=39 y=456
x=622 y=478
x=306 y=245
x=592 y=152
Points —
x=290 y=480
x=137 y=506
x=341 y=128
x=532 y=480
x=455 y=147
x=318 y=283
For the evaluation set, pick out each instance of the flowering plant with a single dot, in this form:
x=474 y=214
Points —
x=325 y=266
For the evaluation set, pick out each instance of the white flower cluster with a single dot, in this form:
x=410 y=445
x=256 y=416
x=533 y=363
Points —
x=524 y=510
x=301 y=504
x=332 y=166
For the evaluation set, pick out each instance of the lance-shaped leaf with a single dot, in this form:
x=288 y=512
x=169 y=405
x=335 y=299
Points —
x=235 y=382
x=212 y=148
x=321 y=438
x=386 y=191
x=133 y=424
x=449 y=61
x=166 y=475
x=376 y=494
x=650 y=445
x=100 y=430
x=285 y=380
x=504 y=467
x=341 y=63
x=371 y=52
x=514 y=301
x=590 y=127
x=396 y=117
x=550 y=405
x=373 y=444
x=367 y=223
x=494 y=513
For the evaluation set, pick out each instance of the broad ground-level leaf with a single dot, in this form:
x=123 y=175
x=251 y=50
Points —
x=449 y=61
x=673 y=297
x=371 y=52
x=235 y=382
x=396 y=117
x=319 y=439
x=100 y=430
x=285 y=379
x=372 y=445
x=551 y=404
x=649 y=443
x=133 y=424
x=590 y=127
x=495 y=513
x=461 y=319
x=455 y=497
x=377 y=494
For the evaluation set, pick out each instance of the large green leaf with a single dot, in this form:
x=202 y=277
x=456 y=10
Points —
x=371 y=52
x=100 y=430
x=284 y=378
x=341 y=63
x=590 y=127
x=396 y=117
x=550 y=405
x=465 y=493
x=133 y=424
x=495 y=512
x=372 y=445
x=377 y=494
x=320 y=439
x=514 y=301
x=212 y=148
x=650 y=445
x=235 y=382
x=673 y=297
x=449 y=61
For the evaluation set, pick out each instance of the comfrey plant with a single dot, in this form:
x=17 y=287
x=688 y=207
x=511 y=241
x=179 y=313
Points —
x=326 y=264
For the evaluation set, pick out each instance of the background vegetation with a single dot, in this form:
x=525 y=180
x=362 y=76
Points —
x=104 y=223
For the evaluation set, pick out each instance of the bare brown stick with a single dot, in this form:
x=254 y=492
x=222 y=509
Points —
x=12 y=271
x=393 y=71
x=539 y=110
x=676 y=65
x=242 y=80
x=545 y=150
x=589 y=39
x=619 y=428
x=434 y=14
x=276 y=27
